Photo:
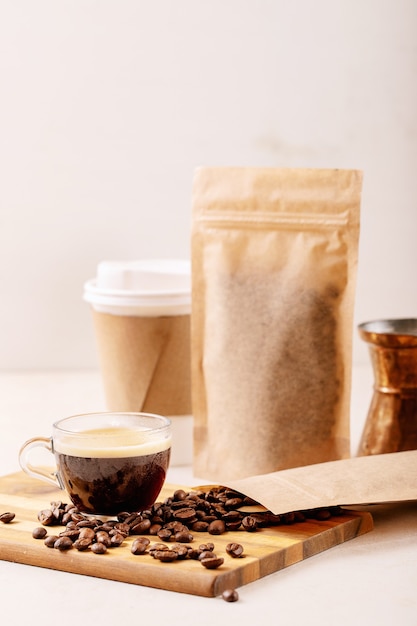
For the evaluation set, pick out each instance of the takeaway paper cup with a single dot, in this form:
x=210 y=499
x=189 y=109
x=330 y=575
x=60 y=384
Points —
x=141 y=313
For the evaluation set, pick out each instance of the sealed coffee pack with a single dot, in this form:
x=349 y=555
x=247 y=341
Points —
x=274 y=258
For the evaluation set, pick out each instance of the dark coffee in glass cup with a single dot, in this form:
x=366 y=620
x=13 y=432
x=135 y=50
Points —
x=107 y=462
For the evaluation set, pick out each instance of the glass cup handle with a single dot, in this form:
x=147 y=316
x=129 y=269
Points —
x=38 y=472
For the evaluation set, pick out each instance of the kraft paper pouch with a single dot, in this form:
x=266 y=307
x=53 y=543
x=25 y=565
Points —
x=377 y=479
x=274 y=256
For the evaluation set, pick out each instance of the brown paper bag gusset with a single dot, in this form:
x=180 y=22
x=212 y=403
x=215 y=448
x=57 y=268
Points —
x=274 y=257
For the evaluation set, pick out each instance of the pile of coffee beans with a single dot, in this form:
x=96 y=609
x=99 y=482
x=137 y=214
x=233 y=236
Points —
x=177 y=517
x=172 y=524
x=172 y=521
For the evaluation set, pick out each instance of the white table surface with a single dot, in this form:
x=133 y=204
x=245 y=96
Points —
x=371 y=580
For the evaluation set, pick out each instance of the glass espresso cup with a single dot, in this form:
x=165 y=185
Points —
x=107 y=462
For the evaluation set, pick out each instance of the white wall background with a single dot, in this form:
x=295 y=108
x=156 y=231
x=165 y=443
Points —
x=107 y=106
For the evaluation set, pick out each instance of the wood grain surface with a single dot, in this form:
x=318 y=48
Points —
x=266 y=550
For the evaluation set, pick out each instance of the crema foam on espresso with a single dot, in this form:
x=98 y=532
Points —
x=110 y=442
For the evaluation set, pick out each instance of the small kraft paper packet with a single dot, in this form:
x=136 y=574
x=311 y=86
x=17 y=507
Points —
x=375 y=479
x=274 y=257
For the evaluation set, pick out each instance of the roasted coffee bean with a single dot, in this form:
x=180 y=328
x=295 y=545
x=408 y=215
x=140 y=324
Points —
x=219 y=510
x=180 y=494
x=71 y=525
x=175 y=526
x=166 y=556
x=135 y=518
x=232 y=517
x=212 y=562
x=122 y=528
x=50 y=541
x=218 y=527
x=141 y=527
x=58 y=515
x=200 y=526
x=247 y=501
x=193 y=553
x=87 y=533
x=124 y=515
x=46 y=517
x=231 y=493
x=154 y=529
x=71 y=534
x=183 y=536
x=116 y=540
x=322 y=514
x=139 y=548
x=97 y=523
x=69 y=508
x=185 y=515
x=144 y=540
x=181 y=550
x=86 y=523
x=165 y=534
x=230 y=595
x=299 y=516
x=264 y=519
x=39 y=533
x=211 y=496
x=235 y=550
x=206 y=546
x=64 y=507
x=82 y=544
x=208 y=518
x=156 y=547
x=108 y=526
x=233 y=503
x=7 y=517
x=159 y=517
x=103 y=537
x=63 y=544
x=66 y=518
x=206 y=554
x=249 y=523
x=58 y=504
x=98 y=548
x=182 y=504
x=139 y=545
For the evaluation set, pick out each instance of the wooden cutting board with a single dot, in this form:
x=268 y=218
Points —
x=266 y=550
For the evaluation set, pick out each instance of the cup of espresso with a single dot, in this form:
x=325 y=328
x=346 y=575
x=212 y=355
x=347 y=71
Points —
x=107 y=462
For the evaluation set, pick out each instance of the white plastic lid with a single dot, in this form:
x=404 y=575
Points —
x=149 y=287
